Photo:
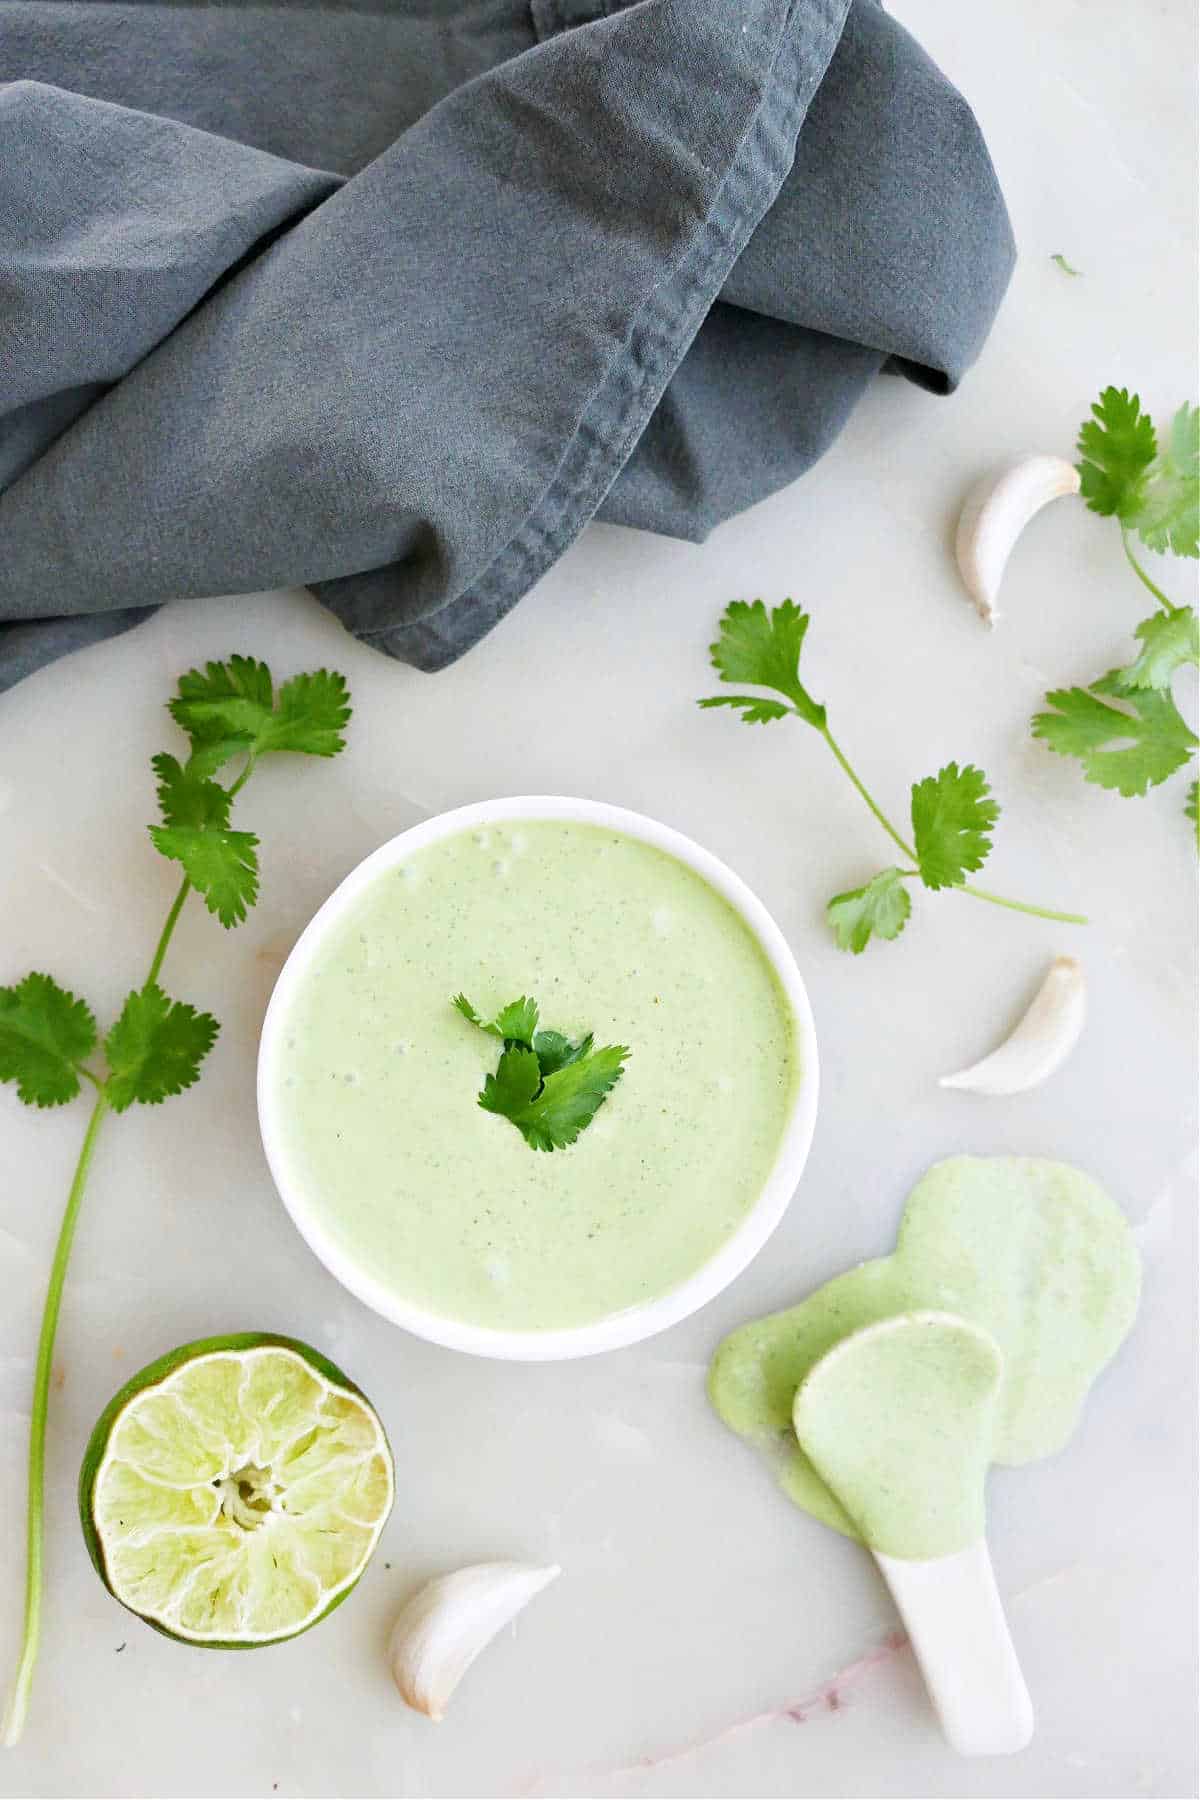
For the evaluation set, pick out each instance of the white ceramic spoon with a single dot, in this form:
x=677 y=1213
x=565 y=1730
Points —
x=897 y=1419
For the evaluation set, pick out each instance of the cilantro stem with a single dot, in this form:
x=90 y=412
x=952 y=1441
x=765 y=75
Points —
x=172 y=919
x=18 y=1705
x=879 y=814
x=236 y=787
x=1039 y=912
x=1141 y=574
x=976 y=893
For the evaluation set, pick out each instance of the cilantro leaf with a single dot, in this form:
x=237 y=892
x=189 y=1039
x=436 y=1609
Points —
x=952 y=818
x=221 y=865
x=516 y=1023
x=567 y=1102
x=223 y=707
x=228 y=696
x=186 y=798
x=512 y=1087
x=554 y=1051
x=463 y=1005
x=312 y=713
x=764 y=650
x=1128 y=748
x=1191 y=809
x=1169 y=516
x=1064 y=265
x=155 y=1048
x=1171 y=639
x=45 y=1033
x=755 y=711
x=880 y=909
x=231 y=706
x=1117 y=445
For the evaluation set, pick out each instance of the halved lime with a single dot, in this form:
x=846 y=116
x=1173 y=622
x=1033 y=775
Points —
x=232 y=1493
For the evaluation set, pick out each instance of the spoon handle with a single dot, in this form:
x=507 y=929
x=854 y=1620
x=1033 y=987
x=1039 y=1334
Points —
x=955 y=1622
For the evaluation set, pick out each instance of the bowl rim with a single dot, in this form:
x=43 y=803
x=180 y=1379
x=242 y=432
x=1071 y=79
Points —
x=645 y=1319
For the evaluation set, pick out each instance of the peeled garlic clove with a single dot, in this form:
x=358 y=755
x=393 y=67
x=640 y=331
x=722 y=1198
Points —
x=995 y=514
x=1039 y=1044
x=446 y=1623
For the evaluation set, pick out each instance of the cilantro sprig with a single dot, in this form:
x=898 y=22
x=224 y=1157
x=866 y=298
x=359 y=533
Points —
x=546 y=1084
x=952 y=813
x=1125 y=729
x=156 y=1047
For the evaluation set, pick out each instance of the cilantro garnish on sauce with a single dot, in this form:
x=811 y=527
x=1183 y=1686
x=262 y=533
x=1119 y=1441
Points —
x=548 y=1085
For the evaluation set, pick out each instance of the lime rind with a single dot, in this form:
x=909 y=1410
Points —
x=222 y=1562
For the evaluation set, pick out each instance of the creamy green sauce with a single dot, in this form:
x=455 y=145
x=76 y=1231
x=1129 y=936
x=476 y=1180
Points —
x=899 y=1421
x=376 y=1076
x=1033 y=1252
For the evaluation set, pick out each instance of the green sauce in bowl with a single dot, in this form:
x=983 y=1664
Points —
x=369 y=1078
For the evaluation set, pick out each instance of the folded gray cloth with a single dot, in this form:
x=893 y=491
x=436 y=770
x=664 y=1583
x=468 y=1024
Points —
x=390 y=297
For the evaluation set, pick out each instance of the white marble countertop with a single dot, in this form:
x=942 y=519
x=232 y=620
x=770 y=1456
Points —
x=694 y=1600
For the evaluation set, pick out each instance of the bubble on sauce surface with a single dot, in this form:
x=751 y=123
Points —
x=517 y=842
x=498 y=1271
x=482 y=838
x=401 y=1047
x=502 y=866
x=662 y=918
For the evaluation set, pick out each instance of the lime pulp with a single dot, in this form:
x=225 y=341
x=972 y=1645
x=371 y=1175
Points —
x=234 y=1491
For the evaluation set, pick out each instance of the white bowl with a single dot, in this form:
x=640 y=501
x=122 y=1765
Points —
x=635 y=1322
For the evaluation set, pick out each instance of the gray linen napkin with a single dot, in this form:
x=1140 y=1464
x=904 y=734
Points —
x=390 y=299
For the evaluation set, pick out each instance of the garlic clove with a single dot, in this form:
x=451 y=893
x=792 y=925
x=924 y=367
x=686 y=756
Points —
x=994 y=515
x=1039 y=1044
x=445 y=1624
